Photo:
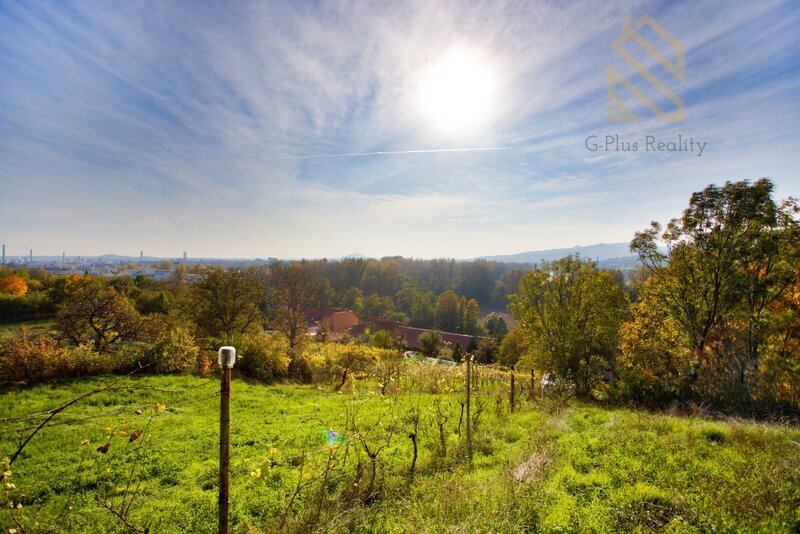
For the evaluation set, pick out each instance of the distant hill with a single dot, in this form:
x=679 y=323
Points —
x=601 y=251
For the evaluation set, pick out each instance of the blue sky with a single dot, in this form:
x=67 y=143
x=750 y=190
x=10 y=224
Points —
x=209 y=127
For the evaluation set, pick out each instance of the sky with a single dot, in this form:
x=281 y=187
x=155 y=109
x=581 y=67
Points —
x=424 y=129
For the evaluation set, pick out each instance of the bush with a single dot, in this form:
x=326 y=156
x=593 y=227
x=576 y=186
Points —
x=262 y=357
x=23 y=358
x=175 y=352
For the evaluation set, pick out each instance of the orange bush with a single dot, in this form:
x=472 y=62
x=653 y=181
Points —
x=13 y=285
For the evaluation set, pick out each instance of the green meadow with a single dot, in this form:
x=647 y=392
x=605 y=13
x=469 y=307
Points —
x=141 y=459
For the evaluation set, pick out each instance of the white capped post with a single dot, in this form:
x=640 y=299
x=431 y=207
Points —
x=226 y=359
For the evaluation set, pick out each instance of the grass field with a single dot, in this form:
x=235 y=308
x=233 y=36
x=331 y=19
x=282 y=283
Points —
x=583 y=468
x=35 y=328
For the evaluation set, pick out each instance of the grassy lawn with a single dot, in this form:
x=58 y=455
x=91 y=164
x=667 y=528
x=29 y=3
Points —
x=581 y=469
x=35 y=327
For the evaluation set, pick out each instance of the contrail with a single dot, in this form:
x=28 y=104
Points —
x=391 y=153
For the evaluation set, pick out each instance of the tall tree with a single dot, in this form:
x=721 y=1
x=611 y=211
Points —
x=224 y=303
x=448 y=318
x=571 y=313
x=725 y=262
x=290 y=296
x=470 y=320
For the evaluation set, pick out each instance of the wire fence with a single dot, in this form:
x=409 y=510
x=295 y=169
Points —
x=301 y=437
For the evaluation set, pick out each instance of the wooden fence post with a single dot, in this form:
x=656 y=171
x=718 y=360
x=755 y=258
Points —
x=469 y=416
x=227 y=357
x=512 y=389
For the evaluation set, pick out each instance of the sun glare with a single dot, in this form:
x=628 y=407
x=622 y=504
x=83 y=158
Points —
x=457 y=91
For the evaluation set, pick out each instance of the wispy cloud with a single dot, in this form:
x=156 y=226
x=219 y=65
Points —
x=295 y=121
x=392 y=153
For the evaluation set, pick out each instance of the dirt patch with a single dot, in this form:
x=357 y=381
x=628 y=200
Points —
x=532 y=469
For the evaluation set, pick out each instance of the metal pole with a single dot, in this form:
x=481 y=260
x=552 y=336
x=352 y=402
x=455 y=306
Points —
x=224 y=448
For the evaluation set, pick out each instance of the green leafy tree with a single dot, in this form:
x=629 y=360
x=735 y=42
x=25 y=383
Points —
x=470 y=320
x=263 y=357
x=430 y=343
x=353 y=299
x=727 y=259
x=487 y=351
x=383 y=339
x=495 y=326
x=448 y=316
x=175 y=352
x=418 y=304
x=513 y=347
x=378 y=306
x=571 y=313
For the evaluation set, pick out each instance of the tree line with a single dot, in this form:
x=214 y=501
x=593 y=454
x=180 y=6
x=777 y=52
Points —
x=710 y=316
x=715 y=317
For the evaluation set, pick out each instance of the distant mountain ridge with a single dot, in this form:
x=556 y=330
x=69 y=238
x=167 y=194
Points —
x=600 y=251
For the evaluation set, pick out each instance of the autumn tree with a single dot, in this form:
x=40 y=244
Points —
x=224 y=303
x=656 y=358
x=13 y=285
x=95 y=313
x=290 y=296
x=726 y=260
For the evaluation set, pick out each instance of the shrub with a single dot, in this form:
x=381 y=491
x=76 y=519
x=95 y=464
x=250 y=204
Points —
x=262 y=357
x=175 y=352
x=24 y=358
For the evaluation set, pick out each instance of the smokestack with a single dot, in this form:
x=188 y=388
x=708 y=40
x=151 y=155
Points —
x=4 y=252
x=141 y=255
x=31 y=256
x=63 y=257
x=184 y=255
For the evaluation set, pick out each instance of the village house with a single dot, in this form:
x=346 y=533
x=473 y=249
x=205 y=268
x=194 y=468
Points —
x=335 y=320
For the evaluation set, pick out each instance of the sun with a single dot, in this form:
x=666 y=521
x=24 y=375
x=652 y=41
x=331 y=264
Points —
x=457 y=91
